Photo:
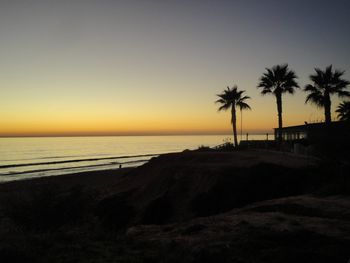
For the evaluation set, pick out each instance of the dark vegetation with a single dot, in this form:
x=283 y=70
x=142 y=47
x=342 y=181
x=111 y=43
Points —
x=49 y=223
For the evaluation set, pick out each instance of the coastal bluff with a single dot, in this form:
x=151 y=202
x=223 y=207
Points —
x=193 y=206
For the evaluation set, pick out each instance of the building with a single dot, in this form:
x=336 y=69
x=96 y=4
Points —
x=317 y=139
x=316 y=132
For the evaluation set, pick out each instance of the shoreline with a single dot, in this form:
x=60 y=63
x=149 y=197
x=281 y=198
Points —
x=100 y=179
x=82 y=160
x=85 y=173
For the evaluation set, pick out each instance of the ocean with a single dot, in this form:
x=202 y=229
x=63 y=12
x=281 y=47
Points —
x=23 y=158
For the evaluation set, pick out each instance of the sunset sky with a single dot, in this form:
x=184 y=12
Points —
x=108 y=67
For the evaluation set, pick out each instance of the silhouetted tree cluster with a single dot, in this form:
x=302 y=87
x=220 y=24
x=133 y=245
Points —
x=279 y=80
x=325 y=84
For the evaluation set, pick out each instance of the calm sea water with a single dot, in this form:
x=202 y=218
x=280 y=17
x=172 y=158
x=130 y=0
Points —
x=22 y=158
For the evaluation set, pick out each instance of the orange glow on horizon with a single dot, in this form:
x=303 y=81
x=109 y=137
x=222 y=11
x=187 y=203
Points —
x=216 y=123
x=149 y=68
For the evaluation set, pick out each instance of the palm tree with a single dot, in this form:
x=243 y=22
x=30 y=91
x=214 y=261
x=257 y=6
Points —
x=230 y=99
x=278 y=80
x=343 y=111
x=325 y=84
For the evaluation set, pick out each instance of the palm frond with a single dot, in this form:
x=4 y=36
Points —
x=231 y=97
x=243 y=106
x=278 y=79
x=224 y=107
x=315 y=98
x=245 y=98
x=326 y=83
x=266 y=91
x=343 y=93
x=343 y=111
x=311 y=88
x=221 y=101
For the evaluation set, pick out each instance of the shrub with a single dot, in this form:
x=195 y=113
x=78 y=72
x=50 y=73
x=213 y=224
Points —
x=227 y=146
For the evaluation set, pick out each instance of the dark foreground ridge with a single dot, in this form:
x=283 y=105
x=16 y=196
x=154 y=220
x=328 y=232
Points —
x=195 y=206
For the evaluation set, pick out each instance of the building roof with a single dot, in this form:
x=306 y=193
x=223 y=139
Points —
x=319 y=125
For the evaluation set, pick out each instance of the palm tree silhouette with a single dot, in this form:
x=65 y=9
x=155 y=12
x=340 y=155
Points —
x=325 y=84
x=230 y=99
x=343 y=111
x=278 y=80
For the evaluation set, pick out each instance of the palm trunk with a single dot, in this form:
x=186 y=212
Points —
x=279 y=111
x=234 y=127
x=241 y=124
x=327 y=108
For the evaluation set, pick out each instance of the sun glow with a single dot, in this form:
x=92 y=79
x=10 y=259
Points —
x=98 y=69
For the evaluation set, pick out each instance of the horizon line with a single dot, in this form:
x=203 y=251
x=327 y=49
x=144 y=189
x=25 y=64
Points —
x=131 y=134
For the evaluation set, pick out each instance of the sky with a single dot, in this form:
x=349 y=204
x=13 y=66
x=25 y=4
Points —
x=132 y=67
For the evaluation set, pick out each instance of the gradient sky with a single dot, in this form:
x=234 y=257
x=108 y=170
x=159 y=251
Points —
x=154 y=67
